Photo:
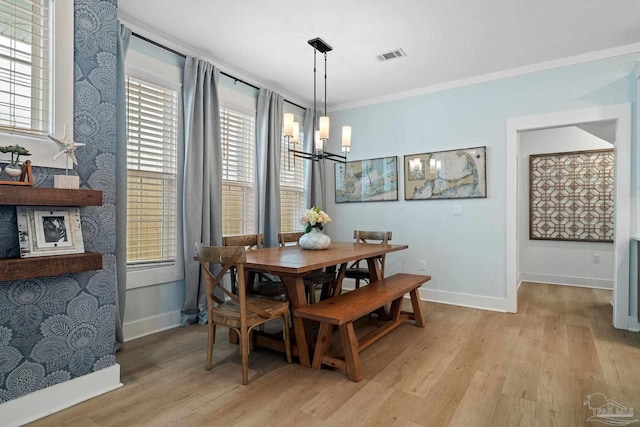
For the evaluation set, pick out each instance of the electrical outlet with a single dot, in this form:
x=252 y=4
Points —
x=457 y=210
x=423 y=265
x=595 y=258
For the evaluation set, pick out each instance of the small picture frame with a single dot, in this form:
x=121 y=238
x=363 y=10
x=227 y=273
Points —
x=44 y=231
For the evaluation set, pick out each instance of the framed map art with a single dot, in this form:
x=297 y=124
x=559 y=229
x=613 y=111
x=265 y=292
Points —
x=371 y=180
x=454 y=174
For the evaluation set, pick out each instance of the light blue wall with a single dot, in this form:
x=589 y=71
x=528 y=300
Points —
x=464 y=254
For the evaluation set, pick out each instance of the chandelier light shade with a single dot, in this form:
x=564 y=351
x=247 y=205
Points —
x=288 y=124
x=295 y=138
x=346 y=139
x=321 y=124
x=324 y=128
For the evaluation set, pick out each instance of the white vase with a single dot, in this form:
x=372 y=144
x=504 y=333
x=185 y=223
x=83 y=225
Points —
x=314 y=240
x=13 y=170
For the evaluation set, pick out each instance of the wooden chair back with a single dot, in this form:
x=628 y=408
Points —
x=362 y=236
x=230 y=257
x=249 y=241
x=289 y=237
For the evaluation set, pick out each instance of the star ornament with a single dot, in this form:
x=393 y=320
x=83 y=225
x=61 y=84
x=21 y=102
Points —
x=67 y=146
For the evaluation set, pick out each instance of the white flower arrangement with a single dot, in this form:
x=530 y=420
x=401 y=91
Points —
x=315 y=218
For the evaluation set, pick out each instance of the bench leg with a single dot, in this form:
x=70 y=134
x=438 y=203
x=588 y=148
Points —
x=351 y=352
x=396 y=309
x=322 y=344
x=417 y=308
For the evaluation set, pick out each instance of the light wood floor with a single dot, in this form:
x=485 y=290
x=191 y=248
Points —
x=466 y=368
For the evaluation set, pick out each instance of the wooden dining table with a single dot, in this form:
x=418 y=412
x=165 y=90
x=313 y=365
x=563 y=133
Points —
x=292 y=263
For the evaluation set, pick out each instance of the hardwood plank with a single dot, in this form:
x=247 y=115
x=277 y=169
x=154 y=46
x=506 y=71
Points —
x=479 y=401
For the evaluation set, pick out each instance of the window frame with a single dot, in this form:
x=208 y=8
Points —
x=238 y=109
x=61 y=93
x=138 y=64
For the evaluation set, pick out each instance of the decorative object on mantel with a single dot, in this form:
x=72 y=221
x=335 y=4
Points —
x=320 y=124
x=44 y=231
x=14 y=169
x=67 y=147
x=314 y=238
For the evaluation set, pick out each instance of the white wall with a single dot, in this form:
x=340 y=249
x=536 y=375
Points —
x=550 y=261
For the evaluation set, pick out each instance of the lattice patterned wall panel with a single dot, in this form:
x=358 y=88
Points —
x=571 y=196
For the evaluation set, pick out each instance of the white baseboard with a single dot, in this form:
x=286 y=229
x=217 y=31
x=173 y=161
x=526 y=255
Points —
x=585 y=282
x=52 y=399
x=464 y=300
x=634 y=325
x=150 y=325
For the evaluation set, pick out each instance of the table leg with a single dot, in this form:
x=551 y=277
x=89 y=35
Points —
x=374 y=269
x=375 y=274
x=298 y=298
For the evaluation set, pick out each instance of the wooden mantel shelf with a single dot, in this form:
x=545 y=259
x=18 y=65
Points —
x=41 y=196
x=54 y=265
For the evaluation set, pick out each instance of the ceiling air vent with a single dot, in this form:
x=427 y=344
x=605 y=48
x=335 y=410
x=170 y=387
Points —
x=396 y=53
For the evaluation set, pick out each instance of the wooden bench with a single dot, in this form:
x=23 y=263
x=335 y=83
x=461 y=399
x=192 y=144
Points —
x=342 y=310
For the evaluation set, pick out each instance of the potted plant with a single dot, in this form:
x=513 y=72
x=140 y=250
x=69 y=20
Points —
x=14 y=168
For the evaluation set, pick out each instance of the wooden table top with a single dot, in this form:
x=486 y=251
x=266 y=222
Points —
x=295 y=260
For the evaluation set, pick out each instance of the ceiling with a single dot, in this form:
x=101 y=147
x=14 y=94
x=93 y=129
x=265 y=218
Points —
x=265 y=42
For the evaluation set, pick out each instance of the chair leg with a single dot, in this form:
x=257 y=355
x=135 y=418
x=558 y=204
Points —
x=357 y=283
x=312 y=294
x=210 y=342
x=285 y=334
x=244 y=354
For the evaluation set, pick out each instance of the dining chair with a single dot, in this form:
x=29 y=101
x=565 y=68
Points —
x=263 y=285
x=240 y=312
x=355 y=271
x=318 y=280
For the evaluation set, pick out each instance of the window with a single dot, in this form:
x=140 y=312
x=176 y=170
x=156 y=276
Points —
x=27 y=89
x=152 y=119
x=24 y=66
x=291 y=188
x=238 y=153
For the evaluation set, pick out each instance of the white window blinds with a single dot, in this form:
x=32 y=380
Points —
x=152 y=117
x=291 y=188
x=238 y=153
x=24 y=66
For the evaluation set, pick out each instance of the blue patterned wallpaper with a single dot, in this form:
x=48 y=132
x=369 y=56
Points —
x=55 y=329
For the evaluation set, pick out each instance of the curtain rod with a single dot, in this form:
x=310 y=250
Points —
x=182 y=55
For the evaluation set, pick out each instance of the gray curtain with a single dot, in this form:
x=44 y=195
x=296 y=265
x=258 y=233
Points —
x=314 y=176
x=121 y=183
x=202 y=211
x=268 y=147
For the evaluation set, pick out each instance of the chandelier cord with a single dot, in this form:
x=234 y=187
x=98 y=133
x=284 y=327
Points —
x=325 y=84
x=315 y=111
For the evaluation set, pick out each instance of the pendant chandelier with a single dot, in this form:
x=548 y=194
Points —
x=320 y=124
